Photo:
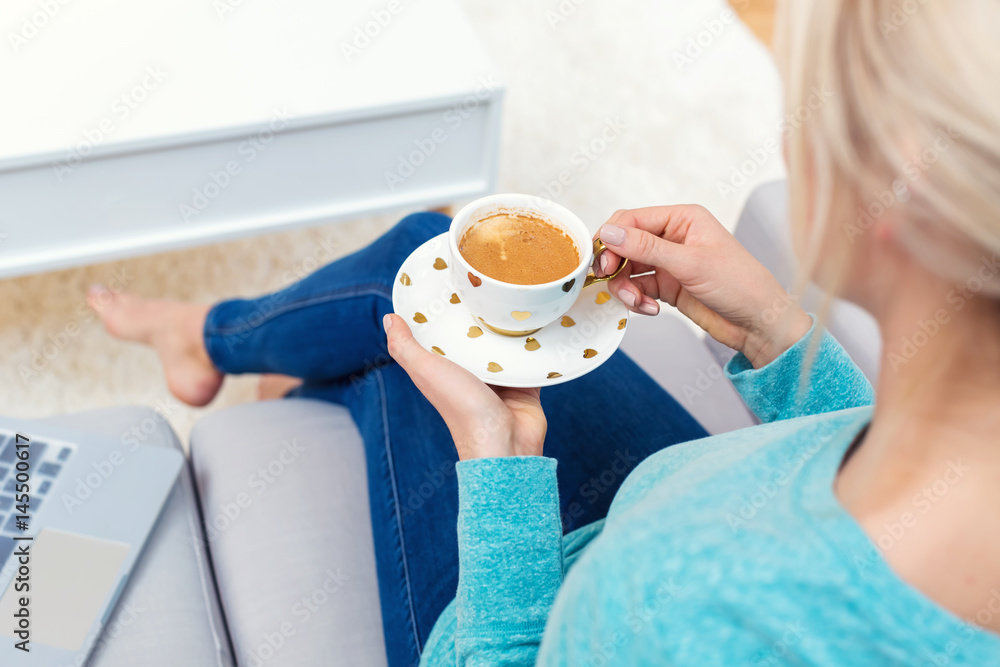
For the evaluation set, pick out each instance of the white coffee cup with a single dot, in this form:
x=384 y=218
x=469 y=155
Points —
x=519 y=310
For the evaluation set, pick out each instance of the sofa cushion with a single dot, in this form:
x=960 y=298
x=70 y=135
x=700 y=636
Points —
x=285 y=504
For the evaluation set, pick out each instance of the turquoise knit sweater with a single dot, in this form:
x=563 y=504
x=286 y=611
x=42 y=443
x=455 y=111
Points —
x=731 y=550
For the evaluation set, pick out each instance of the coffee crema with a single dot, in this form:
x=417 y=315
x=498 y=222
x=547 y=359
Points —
x=519 y=249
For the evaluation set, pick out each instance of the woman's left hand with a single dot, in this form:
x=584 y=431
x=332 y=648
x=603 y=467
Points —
x=484 y=421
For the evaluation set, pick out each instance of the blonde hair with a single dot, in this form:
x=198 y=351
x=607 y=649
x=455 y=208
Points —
x=908 y=121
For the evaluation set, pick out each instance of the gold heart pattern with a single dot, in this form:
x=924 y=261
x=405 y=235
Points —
x=530 y=344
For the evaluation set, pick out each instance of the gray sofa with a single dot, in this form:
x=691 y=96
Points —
x=264 y=553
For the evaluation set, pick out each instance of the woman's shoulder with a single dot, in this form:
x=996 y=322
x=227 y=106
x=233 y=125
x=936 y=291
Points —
x=744 y=542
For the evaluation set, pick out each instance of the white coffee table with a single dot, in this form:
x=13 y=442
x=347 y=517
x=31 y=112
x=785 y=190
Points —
x=136 y=126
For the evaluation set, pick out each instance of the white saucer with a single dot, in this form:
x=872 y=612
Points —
x=562 y=351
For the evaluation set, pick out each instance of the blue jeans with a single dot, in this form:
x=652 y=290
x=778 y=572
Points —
x=327 y=330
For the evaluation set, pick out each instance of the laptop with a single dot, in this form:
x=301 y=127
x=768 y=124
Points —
x=75 y=511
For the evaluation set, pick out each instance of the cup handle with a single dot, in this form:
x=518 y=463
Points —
x=599 y=247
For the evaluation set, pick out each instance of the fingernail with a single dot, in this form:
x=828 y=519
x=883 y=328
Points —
x=605 y=261
x=387 y=322
x=649 y=308
x=627 y=298
x=97 y=288
x=612 y=234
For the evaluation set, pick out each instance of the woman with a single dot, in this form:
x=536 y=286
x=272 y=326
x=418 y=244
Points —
x=873 y=538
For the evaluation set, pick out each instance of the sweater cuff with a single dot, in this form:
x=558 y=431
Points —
x=771 y=391
x=510 y=544
x=776 y=391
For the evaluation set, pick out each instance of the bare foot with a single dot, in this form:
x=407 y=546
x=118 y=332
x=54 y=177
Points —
x=272 y=386
x=173 y=329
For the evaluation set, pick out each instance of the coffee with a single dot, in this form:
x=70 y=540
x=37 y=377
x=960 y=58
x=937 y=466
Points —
x=519 y=249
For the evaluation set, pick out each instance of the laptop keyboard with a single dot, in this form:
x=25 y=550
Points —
x=45 y=463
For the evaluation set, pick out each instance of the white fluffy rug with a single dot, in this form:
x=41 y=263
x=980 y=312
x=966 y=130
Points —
x=693 y=96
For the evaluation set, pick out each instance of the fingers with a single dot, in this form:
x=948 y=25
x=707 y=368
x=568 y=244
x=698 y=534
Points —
x=638 y=293
x=608 y=261
x=639 y=245
x=402 y=346
x=653 y=239
x=669 y=222
x=421 y=365
x=642 y=294
x=455 y=392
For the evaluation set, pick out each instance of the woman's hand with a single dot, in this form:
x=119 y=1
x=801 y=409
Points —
x=484 y=421
x=684 y=256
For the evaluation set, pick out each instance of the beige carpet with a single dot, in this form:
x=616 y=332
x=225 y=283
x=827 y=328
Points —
x=694 y=96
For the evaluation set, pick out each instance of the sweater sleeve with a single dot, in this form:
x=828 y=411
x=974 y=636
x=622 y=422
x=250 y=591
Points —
x=776 y=391
x=510 y=558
